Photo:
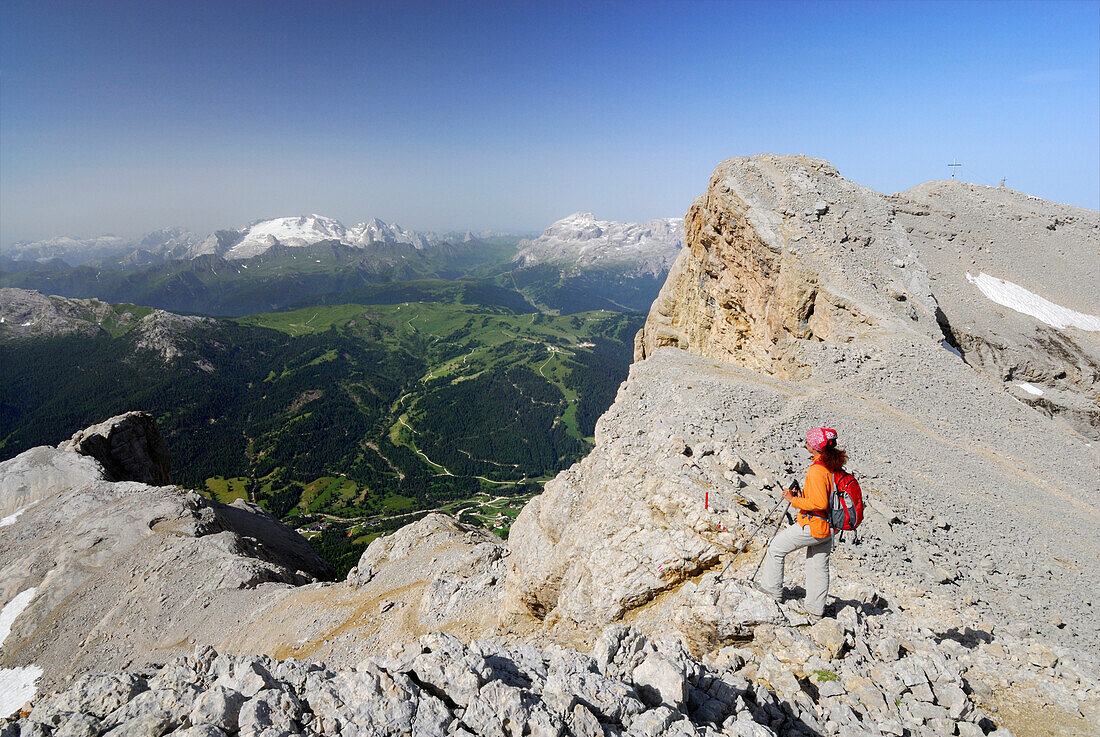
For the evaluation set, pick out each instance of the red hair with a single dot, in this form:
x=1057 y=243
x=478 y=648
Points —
x=833 y=458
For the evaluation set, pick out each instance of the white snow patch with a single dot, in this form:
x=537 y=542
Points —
x=948 y=347
x=10 y=519
x=1015 y=297
x=12 y=610
x=1031 y=389
x=17 y=688
x=16 y=684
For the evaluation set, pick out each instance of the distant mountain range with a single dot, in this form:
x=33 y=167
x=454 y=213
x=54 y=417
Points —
x=581 y=241
x=253 y=240
x=577 y=264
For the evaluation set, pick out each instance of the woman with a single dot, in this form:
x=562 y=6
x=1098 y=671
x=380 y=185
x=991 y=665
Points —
x=811 y=529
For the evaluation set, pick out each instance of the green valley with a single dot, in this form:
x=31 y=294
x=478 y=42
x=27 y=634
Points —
x=351 y=419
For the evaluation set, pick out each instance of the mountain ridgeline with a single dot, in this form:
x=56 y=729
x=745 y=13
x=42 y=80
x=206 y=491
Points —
x=284 y=263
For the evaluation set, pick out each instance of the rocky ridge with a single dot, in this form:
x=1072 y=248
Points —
x=581 y=241
x=29 y=314
x=120 y=572
x=129 y=447
x=784 y=251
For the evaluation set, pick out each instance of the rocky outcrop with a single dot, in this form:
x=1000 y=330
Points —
x=169 y=335
x=808 y=681
x=783 y=250
x=29 y=314
x=801 y=300
x=770 y=262
x=108 y=573
x=463 y=566
x=129 y=447
x=580 y=241
x=109 y=570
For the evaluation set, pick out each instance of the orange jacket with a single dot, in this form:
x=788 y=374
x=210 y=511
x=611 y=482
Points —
x=815 y=498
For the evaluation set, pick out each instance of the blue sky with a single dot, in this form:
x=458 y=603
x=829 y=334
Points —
x=120 y=118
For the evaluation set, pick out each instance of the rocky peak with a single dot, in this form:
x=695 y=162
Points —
x=782 y=249
x=129 y=446
x=582 y=241
x=167 y=334
x=802 y=299
x=134 y=571
x=782 y=252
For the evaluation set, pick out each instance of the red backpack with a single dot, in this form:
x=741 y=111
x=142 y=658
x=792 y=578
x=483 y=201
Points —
x=846 y=502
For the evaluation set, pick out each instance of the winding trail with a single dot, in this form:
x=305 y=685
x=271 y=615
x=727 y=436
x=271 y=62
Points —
x=446 y=471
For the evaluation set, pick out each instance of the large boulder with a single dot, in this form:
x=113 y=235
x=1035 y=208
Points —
x=129 y=446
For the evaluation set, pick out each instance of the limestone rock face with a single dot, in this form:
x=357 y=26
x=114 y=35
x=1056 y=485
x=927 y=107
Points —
x=801 y=300
x=782 y=250
x=29 y=314
x=769 y=261
x=463 y=566
x=166 y=333
x=129 y=447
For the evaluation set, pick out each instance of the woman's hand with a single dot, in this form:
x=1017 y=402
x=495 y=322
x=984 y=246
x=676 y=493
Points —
x=788 y=494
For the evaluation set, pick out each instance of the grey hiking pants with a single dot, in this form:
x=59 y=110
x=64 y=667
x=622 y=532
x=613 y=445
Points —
x=817 y=564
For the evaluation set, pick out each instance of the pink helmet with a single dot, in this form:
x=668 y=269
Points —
x=821 y=437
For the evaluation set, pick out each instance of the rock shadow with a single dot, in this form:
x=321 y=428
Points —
x=968 y=638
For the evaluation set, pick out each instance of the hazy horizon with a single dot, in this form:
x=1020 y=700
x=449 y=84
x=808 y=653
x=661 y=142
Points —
x=123 y=118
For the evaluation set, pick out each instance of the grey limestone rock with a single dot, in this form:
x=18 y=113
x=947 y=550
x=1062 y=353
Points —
x=660 y=681
x=129 y=447
x=30 y=314
x=218 y=706
x=140 y=571
x=200 y=730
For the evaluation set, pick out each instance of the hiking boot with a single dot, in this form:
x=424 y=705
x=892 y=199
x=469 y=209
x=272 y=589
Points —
x=802 y=611
x=765 y=592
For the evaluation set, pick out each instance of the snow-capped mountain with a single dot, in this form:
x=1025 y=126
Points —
x=306 y=230
x=581 y=240
x=378 y=231
x=252 y=240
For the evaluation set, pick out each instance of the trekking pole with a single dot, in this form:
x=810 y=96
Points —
x=779 y=524
x=747 y=540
